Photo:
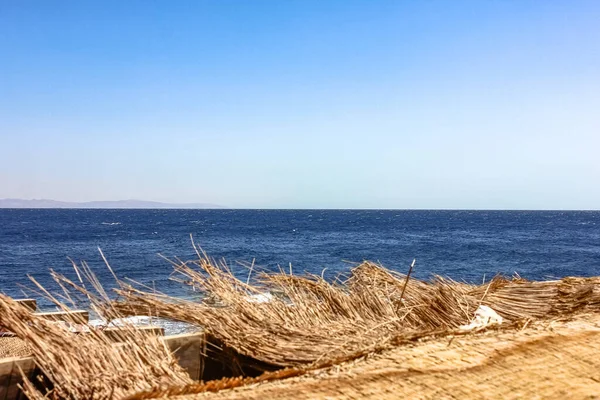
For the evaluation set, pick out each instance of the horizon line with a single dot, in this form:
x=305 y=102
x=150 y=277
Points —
x=156 y=205
x=221 y=208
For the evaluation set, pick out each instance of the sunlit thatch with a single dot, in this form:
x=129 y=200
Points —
x=80 y=362
x=279 y=323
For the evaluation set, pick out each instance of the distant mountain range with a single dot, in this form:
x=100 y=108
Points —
x=129 y=204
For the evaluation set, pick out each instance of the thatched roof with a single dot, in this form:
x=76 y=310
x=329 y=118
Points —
x=90 y=366
x=13 y=347
x=303 y=324
x=547 y=359
x=311 y=321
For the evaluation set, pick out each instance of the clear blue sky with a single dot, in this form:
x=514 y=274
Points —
x=303 y=104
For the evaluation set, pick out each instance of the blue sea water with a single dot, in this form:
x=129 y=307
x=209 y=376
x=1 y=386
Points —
x=464 y=245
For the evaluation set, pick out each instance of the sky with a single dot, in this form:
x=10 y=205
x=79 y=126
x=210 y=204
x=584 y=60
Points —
x=303 y=104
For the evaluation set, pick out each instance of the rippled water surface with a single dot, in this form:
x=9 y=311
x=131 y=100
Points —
x=460 y=244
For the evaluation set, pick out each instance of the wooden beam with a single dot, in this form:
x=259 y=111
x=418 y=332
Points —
x=10 y=376
x=189 y=351
x=76 y=316
x=31 y=304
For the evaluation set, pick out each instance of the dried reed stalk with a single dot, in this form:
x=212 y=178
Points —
x=88 y=364
x=311 y=321
x=307 y=323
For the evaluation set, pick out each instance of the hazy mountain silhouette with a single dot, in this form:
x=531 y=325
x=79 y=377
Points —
x=45 y=203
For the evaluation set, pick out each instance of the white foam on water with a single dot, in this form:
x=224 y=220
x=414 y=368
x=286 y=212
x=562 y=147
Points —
x=260 y=298
x=170 y=327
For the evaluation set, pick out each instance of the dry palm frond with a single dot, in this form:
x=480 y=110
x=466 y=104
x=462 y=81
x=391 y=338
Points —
x=85 y=363
x=312 y=323
x=518 y=299
x=310 y=320
x=278 y=321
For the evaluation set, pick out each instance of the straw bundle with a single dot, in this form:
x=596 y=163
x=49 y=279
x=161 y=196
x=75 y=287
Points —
x=311 y=321
x=278 y=321
x=518 y=299
x=13 y=347
x=84 y=363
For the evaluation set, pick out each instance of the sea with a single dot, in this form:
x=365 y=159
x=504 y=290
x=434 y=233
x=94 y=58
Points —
x=469 y=246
